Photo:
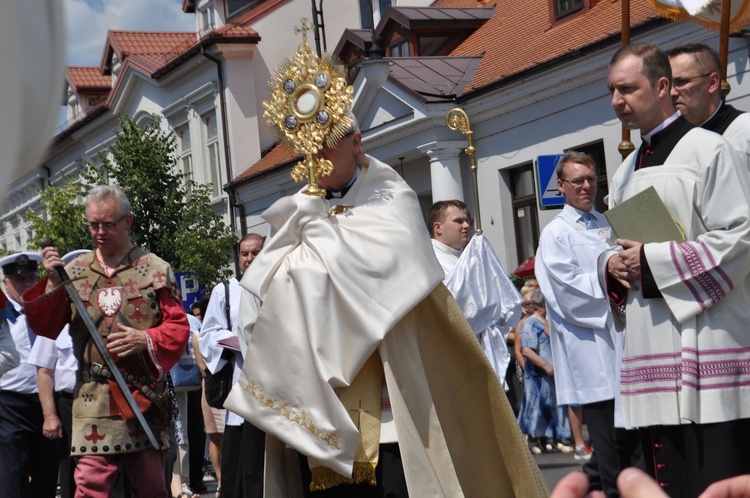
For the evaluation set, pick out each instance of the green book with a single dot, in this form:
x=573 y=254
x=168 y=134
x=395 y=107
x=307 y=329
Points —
x=644 y=218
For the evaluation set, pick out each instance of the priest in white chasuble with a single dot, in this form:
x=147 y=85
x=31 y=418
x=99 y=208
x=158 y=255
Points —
x=685 y=380
x=359 y=358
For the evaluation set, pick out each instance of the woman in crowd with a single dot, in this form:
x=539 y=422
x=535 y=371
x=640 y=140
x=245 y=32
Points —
x=540 y=417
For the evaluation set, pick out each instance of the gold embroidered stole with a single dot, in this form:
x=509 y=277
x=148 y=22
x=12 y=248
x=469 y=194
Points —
x=362 y=399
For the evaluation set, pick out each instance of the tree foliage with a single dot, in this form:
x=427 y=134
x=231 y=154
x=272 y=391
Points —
x=64 y=220
x=172 y=213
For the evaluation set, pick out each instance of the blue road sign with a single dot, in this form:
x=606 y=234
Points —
x=190 y=289
x=547 y=182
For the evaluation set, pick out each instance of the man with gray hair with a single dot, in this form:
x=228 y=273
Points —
x=134 y=301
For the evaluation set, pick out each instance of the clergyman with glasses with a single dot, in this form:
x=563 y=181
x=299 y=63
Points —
x=685 y=301
x=133 y=298
x=585 y=344
x=696 y=93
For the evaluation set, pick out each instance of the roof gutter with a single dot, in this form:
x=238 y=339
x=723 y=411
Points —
x=227 y=151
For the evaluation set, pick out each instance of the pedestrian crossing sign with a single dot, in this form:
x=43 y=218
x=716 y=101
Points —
x=549 y=196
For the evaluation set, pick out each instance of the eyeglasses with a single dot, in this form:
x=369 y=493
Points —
x=578 y=182
x=94 y=226
x=681 y=82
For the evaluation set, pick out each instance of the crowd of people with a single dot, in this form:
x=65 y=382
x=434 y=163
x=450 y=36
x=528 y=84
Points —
x=367 y=356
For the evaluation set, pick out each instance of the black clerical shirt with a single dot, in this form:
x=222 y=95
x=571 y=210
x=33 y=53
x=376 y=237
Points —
x=721 y=120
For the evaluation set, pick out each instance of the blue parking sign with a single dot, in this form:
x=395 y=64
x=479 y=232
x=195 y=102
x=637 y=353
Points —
x=190 y=289
x=550 y=197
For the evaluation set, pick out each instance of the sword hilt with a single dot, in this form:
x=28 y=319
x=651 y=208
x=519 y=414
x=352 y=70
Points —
x=47 y=242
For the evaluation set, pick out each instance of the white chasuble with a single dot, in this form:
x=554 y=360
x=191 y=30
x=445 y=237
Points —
x=336 y=288
x=686 y=354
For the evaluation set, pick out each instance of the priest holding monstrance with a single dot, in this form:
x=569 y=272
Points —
x=359 y=359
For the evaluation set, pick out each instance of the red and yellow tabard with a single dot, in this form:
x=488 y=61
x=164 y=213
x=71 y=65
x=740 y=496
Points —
x=140 y=293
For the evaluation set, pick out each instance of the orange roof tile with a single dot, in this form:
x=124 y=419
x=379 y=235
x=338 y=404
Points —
x=280 y=155
x=236 y=30
x=87 y=78
x=521 y=35
x=154 y=49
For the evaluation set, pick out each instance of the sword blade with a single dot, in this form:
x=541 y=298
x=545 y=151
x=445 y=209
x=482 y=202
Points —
x=99 y=343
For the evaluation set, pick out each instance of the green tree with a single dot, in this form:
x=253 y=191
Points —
x=172 y=213
x=64 y=220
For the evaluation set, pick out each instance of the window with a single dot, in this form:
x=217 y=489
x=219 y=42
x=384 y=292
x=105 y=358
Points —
x=430 y=45
x=367 y=12
x=213 y=163
x=525 y=216
x=400 y=49
x=186 y=151
x=235 y=5
x=206 y=16
x=566 y=7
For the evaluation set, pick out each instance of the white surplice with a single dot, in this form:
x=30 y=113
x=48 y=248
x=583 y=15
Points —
x=446 y=256
x=738 y=135
x=216 y=328
x=486 y=295
x=686 y=355
x=583 y=337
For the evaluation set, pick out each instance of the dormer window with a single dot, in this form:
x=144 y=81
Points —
x=115 y=67
x=399 y=49
x=564 y=8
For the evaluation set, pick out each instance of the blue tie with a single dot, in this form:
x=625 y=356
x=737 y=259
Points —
x=588 y=220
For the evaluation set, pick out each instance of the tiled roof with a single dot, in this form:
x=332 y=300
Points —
x=236 y=30
x=409 y=16
x=81 y=79
x=434 y=79
x=521 y=35
x=152 y=49
x=280 y=155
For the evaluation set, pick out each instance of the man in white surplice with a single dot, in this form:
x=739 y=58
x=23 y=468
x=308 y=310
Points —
x=585 y=344
x=685 y=377
x=475 y=277
x=352 y=297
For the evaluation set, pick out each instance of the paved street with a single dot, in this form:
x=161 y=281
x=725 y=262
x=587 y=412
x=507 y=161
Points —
x=555 y=466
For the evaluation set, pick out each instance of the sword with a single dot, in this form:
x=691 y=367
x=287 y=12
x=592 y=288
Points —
x=97 y=338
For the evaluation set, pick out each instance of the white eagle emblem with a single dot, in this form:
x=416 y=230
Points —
x=109 y=300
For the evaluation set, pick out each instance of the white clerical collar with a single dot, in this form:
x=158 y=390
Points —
x=337 y=194
x=671 y=119
x=446 y=249
x=721 y=104
x=354 y=177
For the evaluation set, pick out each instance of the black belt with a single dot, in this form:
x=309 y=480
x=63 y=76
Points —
x=26 y=396
x=101 y=373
